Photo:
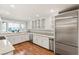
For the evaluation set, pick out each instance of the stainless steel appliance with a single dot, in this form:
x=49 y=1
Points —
x=66 y=33
x=31 y=37
x=51 y=44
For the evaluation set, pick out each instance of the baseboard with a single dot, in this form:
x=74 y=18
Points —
x=21 y=43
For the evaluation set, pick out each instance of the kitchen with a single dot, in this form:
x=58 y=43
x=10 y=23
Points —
x=37 y=29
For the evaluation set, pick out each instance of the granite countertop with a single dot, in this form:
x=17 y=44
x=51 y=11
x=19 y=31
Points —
x=5 y=46
x=13 y=34
x=47 y=34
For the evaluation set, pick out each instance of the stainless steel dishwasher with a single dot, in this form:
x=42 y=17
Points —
x=51 y=44
x=31 y=37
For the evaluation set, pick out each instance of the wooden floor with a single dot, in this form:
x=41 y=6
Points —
x=28 y=48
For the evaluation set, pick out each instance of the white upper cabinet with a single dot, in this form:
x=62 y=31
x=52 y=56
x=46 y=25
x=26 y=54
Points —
x=38 y=24
x=46 y=23
x=43 y=23
x=18 y=38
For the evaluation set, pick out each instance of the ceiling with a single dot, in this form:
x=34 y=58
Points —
x=31 y=11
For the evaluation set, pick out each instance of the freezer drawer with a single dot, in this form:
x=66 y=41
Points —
x=65 y=49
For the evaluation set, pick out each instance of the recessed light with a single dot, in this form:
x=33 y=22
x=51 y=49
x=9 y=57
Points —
x=37 y=15
x=28 y=17
x=51 y=10
x=0 y=19
x=25 y=16
x=7 y=13
x=12 y=6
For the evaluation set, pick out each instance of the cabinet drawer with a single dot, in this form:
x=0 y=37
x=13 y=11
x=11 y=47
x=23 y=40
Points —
x=65 y=49
x=11 y=40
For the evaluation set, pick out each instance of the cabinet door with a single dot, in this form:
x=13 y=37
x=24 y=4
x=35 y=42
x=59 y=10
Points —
x=17 y=39
x=11 y=40
x=35 y=39
x=39 y=40
x=24 y=38
x=27 y=37
x=20 y=38
x=45 y=42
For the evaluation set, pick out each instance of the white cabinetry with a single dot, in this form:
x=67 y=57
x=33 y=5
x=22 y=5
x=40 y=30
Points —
x=35 y=39
x=9 y=53
x=45 y=42
x=11 y=39
x=41 y=40
x=15 y=39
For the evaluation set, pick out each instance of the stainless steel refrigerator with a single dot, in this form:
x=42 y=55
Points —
x=66 y=33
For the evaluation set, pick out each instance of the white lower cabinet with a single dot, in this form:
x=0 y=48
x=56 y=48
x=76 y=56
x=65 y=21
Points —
x=11 y=40
x=35 y=39
x=15 y=39
x=9 y=53
x=46 y=42
x=41 y=40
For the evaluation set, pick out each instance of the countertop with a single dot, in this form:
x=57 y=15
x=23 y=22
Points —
x=45 y=35
x=5 y=46
x=13 y=34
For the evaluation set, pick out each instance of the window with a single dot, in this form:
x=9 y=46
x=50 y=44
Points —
x=3 y=27
x=13 y=27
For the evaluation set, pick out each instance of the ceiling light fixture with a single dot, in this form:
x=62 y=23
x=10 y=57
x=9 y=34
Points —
x=37 y=15
x=13 y=6
x=7 y=13
x=51 y=10
x=28 y=17
x=0 y=19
